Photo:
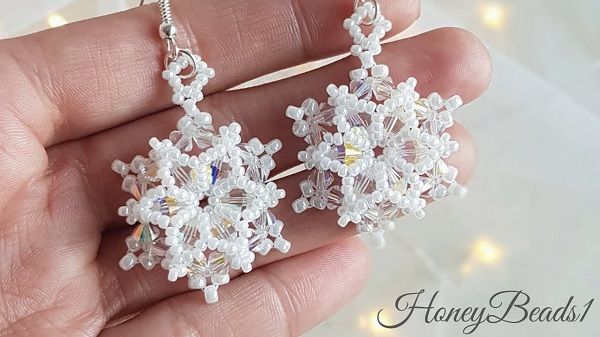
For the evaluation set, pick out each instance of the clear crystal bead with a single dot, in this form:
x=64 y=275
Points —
x=167 y=205
x=364 y=183
x=217 y=263
x=257 y=239
x=203 y=137
x=143 y=233
x=181 y=141
x=383 y=88
x=320 y=123
x=363 y=89
x=422 y=108
x=237 y=197
x=320 y=180
x=434 y=177
x=414 y=151
x=218 y=170
x=185 y=140
x=348 y=153
x=334 y=197
x=224 y=229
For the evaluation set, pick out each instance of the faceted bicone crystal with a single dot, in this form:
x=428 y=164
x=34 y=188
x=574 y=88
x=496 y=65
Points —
x=256 y=171
x=397 y=182
x=181 y=141
x=334 y=197
x=320 y=180
x=363 y=89
x=143 y=233
x=433 y=125
x=131 y=185
x=202 y=137
x=237 y=197
x=265 y=221
x=370 y=220
x=422 y=108
x=413 y=151
x=224 y=229
x=217 y=263
x=138 y=184
x=319 y=123
x=167 y=205
x=364 y=183
x=389 y=211
x=434 y=177
x=383 y=88
x=182 y=176
x=217 y=170
x=257 y=239
x=380 y=87
x=348 y=153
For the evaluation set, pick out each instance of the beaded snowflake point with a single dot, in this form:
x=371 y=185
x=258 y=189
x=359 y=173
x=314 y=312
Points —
x=201 y=201
x=376 y=151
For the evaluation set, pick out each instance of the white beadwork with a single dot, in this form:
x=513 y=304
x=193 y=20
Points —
x=201 y=201
x=385 y=143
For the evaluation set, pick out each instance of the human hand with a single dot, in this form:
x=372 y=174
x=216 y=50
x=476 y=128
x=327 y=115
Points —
x=75 y=98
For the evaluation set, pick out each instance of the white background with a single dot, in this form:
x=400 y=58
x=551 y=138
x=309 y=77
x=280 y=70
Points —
x=530 y=220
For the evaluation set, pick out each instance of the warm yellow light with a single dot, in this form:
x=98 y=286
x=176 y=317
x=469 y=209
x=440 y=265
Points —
x=56 y=20
x=370 y=325
x=363 y=323
x=466 y=269
x=487 y=252
x=493 y=15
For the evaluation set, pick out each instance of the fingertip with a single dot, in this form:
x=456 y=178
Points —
x=355 y=259
x=402 y=13
x=449 y=61
x=463 y=60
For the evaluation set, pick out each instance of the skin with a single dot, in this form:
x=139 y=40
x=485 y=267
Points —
x=75 y=98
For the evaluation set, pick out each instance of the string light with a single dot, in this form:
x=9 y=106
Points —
x=56 y=20
x=369 y=324
x=483 y=252
x=493 y=15
x=487 y=252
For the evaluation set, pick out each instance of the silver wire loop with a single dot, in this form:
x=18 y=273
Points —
x=369 y=21
x=171 y=57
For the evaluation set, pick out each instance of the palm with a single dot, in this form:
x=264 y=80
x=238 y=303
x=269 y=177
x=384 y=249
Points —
x=73 y=99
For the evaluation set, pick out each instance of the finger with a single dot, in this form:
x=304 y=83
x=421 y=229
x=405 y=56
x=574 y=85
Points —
x=96 y=74
x=283 y=299
x=450 y=61
x=137 y=289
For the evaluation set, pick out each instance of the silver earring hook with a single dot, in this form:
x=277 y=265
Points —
x=168 y=32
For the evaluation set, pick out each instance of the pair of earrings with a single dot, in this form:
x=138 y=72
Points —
x=202 y=200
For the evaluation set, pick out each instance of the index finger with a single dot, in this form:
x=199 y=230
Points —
x=93 y=75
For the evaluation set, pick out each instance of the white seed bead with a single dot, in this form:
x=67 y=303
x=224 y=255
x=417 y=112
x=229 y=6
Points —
x=210 y=294
x=282 y=244
x=300 y=205
x=128 y=261
x=196 y=283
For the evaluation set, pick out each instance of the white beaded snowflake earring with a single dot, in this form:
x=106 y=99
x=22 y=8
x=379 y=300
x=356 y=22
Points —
x=201 y=201
x=385 y=143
